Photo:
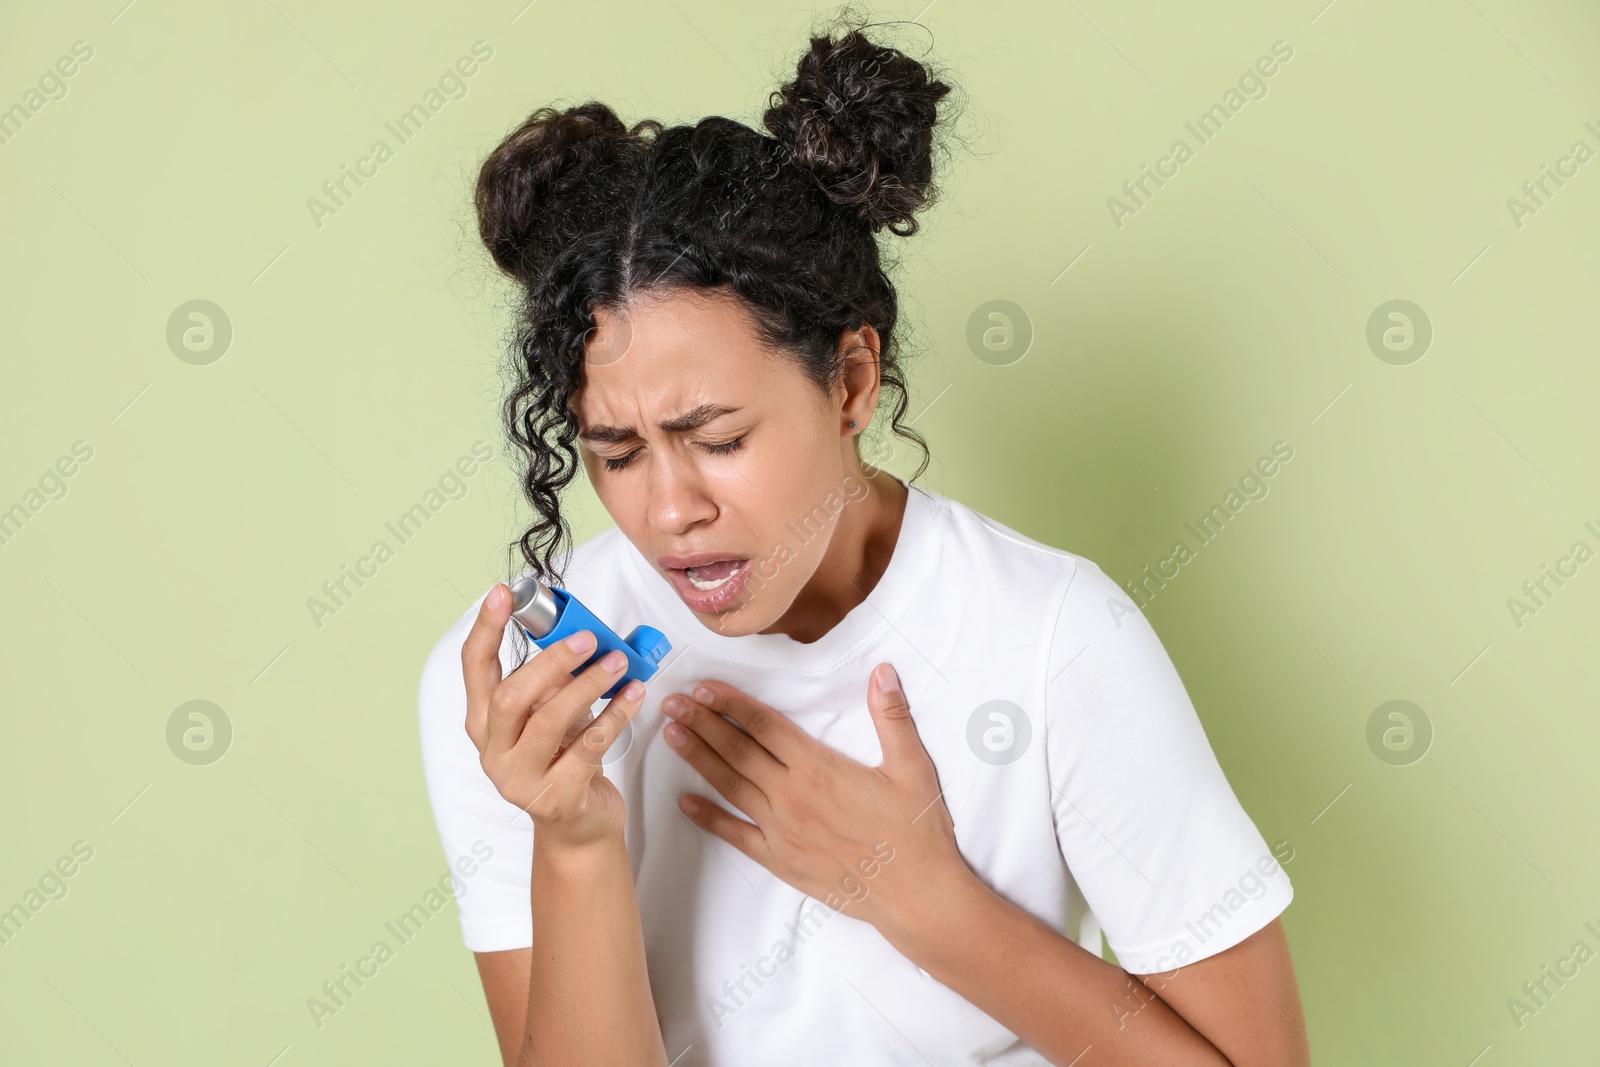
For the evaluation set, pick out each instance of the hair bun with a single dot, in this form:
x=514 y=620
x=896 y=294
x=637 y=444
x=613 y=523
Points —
x=860 y=116
x=533 y=189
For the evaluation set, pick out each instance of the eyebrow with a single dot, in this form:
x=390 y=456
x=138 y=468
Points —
x=689 y=420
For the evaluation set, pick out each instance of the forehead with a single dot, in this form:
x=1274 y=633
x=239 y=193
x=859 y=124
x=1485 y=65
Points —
x=665 y=353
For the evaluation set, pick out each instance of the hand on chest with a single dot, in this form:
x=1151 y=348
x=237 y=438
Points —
x=809 y=776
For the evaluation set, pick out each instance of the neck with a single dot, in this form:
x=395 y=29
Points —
x=858 y=553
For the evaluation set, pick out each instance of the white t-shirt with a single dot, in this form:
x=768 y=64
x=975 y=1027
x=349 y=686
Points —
x=1080 y=780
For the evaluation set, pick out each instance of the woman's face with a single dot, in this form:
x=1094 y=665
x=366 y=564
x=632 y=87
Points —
x=722 y=462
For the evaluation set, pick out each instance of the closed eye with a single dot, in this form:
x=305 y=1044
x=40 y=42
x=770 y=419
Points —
x=720 y=448
x=616 y=463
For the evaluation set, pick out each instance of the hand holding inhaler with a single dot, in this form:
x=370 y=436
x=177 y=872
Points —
x=547 y=615
x=519 y=721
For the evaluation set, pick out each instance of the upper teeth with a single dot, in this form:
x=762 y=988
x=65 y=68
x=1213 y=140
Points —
x=706 y=587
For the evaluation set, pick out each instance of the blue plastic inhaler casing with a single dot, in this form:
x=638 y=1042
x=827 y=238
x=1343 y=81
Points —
x=548 y=614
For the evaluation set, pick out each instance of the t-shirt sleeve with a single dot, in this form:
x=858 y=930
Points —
x=1167 y=858
x=488 y=841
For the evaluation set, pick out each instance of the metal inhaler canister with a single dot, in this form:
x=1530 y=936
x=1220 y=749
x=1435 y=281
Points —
x=547 y=615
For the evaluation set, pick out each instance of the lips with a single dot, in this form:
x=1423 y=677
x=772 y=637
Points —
x=708 y=582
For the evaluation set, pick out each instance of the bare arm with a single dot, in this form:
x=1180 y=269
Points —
x=1244 y=1000
x=505 y=987
x=580 y=995
x=1074 y=1007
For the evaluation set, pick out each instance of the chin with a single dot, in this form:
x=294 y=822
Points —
x=730 y=626
x=750 y=618
x=756 y=611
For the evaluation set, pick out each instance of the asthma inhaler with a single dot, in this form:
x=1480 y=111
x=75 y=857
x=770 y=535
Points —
x=548 y=615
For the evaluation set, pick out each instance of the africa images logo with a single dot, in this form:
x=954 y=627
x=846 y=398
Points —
x=451 y=85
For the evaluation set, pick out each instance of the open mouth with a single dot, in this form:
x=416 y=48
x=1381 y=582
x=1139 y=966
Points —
x=709 y=586
x=713 y=575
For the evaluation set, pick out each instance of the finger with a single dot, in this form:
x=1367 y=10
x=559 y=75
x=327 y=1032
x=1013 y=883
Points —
x=740 y=791
x=773 y=729
x=550 y=721
x=573 y=731
x=746 y=837
x=527 y=687
x=579 y=763
x=480 y=659
x=738 y=749
x=891 y=716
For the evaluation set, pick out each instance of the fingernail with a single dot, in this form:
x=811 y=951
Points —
x=582 y=641
x=704 y=694
x=633 y=690
x=675 y=734
x=672 y=705
x=497 y=597
x=613 y=661
x=690 y=805
x=888 y=680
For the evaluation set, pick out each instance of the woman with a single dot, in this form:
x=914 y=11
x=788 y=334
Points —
x=904 y=765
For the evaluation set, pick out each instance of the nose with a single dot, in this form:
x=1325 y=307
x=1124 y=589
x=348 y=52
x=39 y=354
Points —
x=678 y=500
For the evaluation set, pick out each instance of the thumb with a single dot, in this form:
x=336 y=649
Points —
x=891 y=715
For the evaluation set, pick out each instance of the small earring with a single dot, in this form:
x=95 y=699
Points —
x=852 y=425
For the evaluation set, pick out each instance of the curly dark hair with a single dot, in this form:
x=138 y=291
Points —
x=585 y=213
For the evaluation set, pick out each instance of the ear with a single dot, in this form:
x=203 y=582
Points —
x=858 y=379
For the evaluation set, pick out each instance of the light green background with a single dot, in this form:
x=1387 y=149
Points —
x=1228 y=313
